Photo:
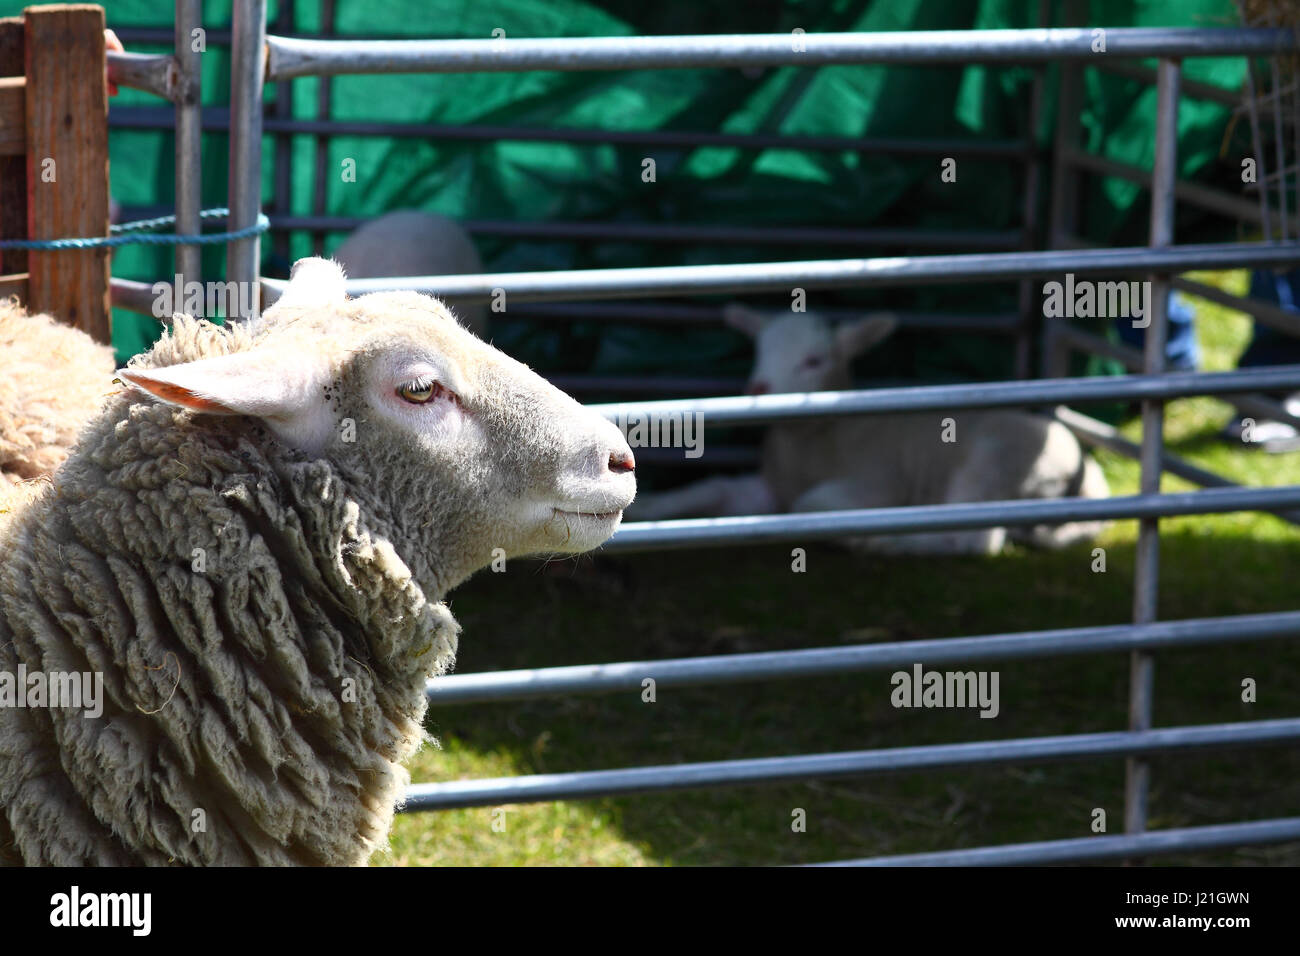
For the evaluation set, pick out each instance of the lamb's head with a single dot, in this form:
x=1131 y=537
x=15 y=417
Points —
x=450 y=434
x=802 y=352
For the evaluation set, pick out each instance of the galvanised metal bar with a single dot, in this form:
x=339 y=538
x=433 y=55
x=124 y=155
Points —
x=152 y=72
x=1029 y=304
x=496 y=686
x=1194 y=194
x=832 y=525
x=1093 y=432
x=303 y=57
x=646 y=384
x=247 y=69
x=827 y=273
x=1063 y=205
x=282 y=153
x=1097 y=849
x=765 y=409
x=132 y=295
x=538 y=788
x=673 y=313
x=1192 y=89
x=1076 y=338
x=1279 y=143
x=660 y=232
x=1146 y=580
x=1293 y=170
x=1258 y=142
x=189 y=136
x=667 y=232
x=1266 y=312
x=321 y=144
x=719 y=456
x=163 y=35
x=1258 y=405
x=969 y=150
x=676 y=313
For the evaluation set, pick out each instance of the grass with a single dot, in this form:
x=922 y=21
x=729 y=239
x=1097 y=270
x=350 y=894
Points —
x=676 y=604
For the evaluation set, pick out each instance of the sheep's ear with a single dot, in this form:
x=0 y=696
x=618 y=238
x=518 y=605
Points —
x=314 y=282
x=744 y=318
x=854 y=338
x=284 y=390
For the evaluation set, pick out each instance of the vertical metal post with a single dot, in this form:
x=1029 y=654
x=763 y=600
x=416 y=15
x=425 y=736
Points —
x=189 y=132
x=247 y=73
x=282 y=203
x=1146 y=579
x=1029 y=301
x=320 y=186
x=1065 y=197
x=1257 y=141
x=1294 y=114
x=1280 y=148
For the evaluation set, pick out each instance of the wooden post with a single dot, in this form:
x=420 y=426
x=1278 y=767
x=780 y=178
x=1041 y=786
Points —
x=13 y=145
x=67 y=162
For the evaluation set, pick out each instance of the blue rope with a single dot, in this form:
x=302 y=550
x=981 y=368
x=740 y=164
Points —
x=124 y=239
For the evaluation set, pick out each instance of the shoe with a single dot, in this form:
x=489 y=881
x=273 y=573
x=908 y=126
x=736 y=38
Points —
x=1266 y=434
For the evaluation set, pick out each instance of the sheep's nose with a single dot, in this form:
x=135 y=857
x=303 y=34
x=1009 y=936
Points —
x=757 y=388
x=621 y=461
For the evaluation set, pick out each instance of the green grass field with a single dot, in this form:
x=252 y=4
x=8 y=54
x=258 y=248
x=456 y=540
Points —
x=720 y=601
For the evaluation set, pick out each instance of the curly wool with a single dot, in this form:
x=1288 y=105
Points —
x=263 y=645
x=55 y=378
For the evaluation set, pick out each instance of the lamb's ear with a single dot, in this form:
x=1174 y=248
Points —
x=744 y=318
x=854 y=338
x=287 y=391
x=314 y=282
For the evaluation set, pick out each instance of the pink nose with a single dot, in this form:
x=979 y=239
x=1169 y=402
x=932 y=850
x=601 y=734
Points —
x=757 y=388
x=621 y=462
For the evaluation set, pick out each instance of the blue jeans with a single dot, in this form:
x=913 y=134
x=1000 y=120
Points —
x=1181 y=351
x=1267 y=345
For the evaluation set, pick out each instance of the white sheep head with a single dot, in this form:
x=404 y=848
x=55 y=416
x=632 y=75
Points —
x=446 y=432
x=802 y=352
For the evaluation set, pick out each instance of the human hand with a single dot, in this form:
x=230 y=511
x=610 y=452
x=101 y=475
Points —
x=112 y=43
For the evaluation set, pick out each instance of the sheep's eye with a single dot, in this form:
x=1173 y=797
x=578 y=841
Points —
x=420 y=392
x=812 y=361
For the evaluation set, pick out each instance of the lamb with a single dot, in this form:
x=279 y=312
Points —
x=54 y=379
x=878 y=461
x=250 y=546
x=413 y=243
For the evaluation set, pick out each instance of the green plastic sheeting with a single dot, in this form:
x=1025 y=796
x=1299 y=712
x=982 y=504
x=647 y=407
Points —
x=712 y=186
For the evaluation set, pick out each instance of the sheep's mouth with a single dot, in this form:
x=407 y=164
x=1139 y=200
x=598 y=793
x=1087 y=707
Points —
x=594 y=515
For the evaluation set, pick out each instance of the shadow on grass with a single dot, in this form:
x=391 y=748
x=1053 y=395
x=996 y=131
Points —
x=728 y=601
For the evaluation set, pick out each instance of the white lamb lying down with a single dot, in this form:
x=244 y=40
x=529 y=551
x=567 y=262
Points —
x=413 y=243
x=886 y=460
x=248 y=549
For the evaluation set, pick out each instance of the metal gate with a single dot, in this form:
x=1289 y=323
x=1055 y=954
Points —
x=259 y=58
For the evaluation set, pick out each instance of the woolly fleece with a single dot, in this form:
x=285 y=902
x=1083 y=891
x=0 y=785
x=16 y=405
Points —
x=55 y=378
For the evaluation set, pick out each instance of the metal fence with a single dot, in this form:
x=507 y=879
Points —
x=259 y=58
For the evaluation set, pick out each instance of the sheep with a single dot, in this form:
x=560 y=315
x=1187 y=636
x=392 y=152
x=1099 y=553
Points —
x=413 y=243
x=886 y=460
x=250 y=546
x=54 y=378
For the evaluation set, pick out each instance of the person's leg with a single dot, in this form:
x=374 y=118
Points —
x=1181 y=351
x=1270 y=347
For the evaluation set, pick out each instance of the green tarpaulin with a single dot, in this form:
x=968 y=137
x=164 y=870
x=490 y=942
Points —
x=524 y=181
